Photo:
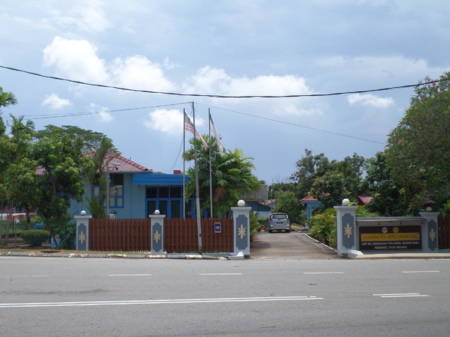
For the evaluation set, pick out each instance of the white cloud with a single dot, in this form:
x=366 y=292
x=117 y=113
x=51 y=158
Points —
x=87 y=15
x=169 y=121
x=137 y=72
x=212 y=81
x=102 y=112
x=55 y=102
x=76 y=59
x=370 y=100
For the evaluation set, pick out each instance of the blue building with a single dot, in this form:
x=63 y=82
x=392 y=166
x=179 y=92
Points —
x=140 y=191
x=310 y=204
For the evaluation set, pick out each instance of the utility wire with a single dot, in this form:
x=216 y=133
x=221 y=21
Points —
x=46 y=116
x=176 y=160
x=222 y=96
x=292 y=124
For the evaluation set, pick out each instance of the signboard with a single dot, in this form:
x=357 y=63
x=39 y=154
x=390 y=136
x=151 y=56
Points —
x=389 y=238
x=217 y=227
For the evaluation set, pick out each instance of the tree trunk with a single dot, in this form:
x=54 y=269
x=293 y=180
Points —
x=27 y=210
x=8 y=224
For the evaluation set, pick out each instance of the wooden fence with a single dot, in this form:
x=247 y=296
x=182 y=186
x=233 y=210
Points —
x=180 y=236
x=124 y=235
x=444 y=231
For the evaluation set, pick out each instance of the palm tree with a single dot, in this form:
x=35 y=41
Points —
x=231 y=176
x=101 y=157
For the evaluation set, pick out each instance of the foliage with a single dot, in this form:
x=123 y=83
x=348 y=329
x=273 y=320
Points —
x=35 y=236
x=378 y=183
x=92 y=139
x=231 y=176
x=418 y=147
x=64 y=165
x=6 y=99
x=287 y=202
x=309 y=168
x=323 y=226
x=253 y=224
x=446 y=208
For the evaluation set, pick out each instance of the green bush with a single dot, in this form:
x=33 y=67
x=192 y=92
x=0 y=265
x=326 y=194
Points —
x=35 y=236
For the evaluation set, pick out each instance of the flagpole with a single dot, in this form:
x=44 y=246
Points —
x=197 y=192
x=184 y=164
x=210 y=171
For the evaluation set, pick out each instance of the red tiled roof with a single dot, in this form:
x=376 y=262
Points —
x=116 y=165
x=365 y=200
x=308 y=198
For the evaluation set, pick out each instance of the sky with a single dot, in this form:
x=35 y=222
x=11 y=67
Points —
x=257 y=47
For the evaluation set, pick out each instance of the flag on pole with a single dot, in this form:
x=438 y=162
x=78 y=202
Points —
x=190 y=127
x=219 y=144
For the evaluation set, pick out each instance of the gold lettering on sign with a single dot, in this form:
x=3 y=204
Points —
x=390 y=237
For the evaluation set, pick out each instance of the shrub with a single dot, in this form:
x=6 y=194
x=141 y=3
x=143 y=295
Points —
x=35 y=236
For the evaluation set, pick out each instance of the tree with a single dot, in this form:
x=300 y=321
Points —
x=20 y=177
x=231 y=176
x=92 y=139
x=60 y=156
x=379 y=184
x=309 y=168
x=100 y=157
x=287 y=202
x=6 y=99
x=418 y=147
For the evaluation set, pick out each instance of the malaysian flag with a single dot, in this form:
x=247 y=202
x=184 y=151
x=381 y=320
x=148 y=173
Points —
x=190 y=127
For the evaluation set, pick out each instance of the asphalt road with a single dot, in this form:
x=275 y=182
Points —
x=109 y=297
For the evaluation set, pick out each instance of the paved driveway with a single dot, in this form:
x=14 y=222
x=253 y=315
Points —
x=293 y=245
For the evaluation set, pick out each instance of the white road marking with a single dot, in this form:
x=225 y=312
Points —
x=221 y=274
x=400 y=295
x=323 y=272
x=130 y=275
x=172 y=301
x=23 y=276
x=420 y=271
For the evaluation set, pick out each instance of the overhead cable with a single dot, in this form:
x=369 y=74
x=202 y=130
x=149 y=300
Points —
x=292 y=124
x=222 y=96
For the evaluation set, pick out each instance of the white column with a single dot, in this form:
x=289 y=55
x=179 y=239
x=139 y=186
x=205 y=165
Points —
x=241 y=229
x=157 y=233
x=346 y=230
x=82 y=231
x=430 y=237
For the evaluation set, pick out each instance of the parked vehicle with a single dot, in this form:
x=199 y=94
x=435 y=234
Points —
x=279 y=221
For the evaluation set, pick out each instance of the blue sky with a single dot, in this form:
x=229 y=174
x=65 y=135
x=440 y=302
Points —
x=225 y=48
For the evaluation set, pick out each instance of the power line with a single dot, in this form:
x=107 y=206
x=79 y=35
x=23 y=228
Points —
x=46 y=116
x=178 y=156
x=222 y=96
x=292 y=124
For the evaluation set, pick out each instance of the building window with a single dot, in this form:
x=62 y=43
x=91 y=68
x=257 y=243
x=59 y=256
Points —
x=168 y=200
x=116 y=193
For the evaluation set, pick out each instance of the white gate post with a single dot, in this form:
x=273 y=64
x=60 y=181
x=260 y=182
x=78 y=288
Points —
x=346 y=228
x=430 y=235
x=241 y=229
x=82 y=231
x=157 y=233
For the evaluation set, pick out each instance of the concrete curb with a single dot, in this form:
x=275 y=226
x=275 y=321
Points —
x=174 y=256
x=403 y=256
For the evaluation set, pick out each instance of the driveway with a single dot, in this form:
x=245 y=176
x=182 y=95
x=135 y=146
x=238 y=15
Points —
x=294 y=246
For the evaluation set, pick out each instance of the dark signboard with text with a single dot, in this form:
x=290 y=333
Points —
x=390 y=237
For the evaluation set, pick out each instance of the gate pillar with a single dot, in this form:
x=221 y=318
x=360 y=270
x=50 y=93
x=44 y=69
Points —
x=82 y=231
x=241 y=228
x=346 y=230
x=157 y=233
x=430 y=237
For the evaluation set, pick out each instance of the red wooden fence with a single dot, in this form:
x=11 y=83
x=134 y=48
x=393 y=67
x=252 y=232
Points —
x=125 y=235
x=444 y=231
x=180 y=236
